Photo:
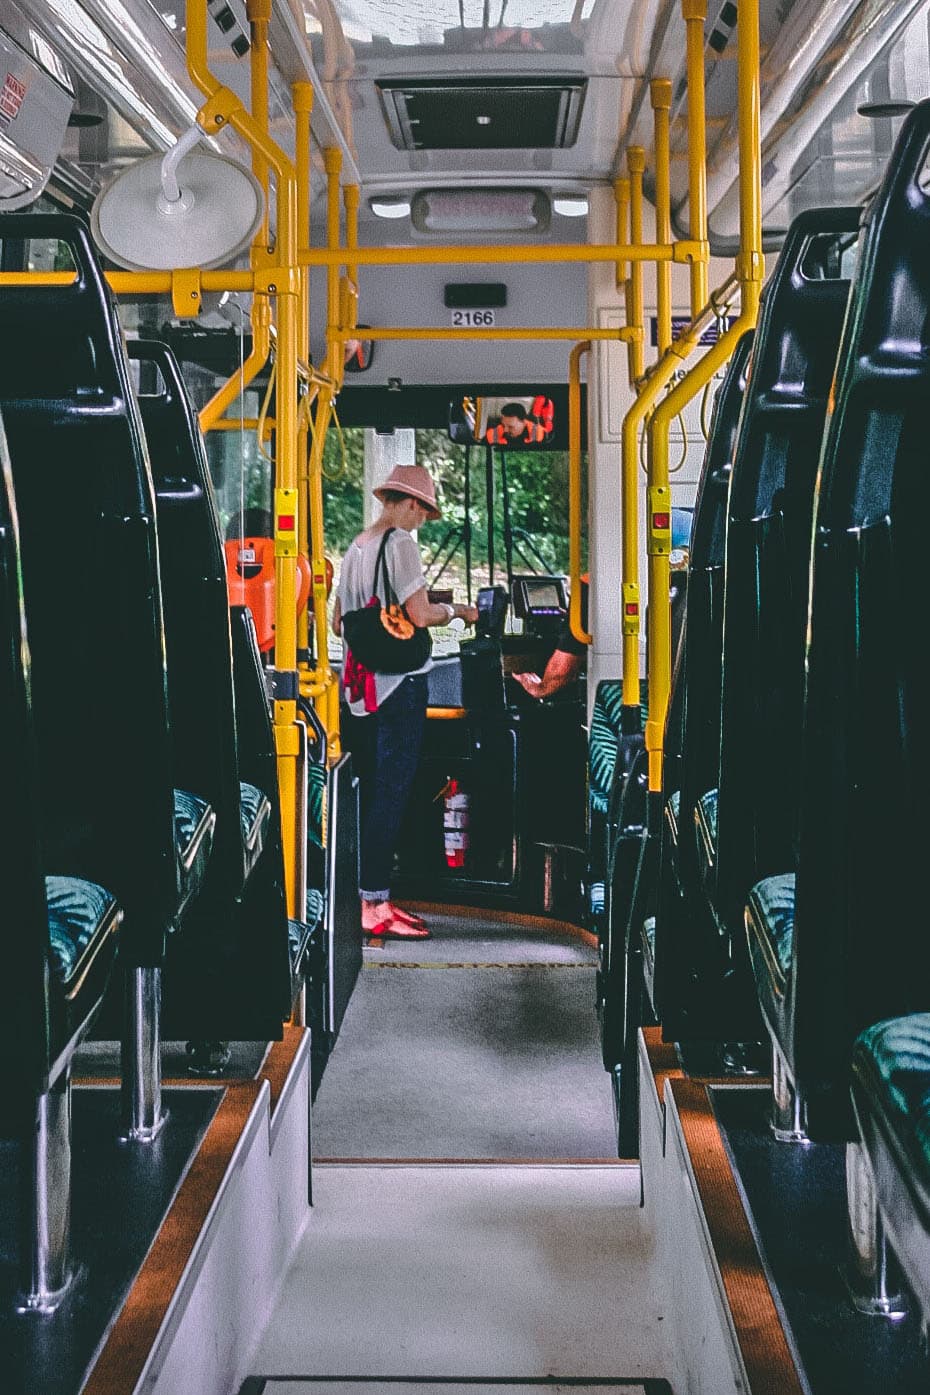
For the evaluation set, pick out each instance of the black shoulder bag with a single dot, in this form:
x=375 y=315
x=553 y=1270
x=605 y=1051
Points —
x=383 y=638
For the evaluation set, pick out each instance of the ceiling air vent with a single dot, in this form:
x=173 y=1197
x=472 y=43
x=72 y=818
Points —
x=483 y=114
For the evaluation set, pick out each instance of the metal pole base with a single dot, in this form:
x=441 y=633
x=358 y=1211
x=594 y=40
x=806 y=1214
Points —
x=142 y=1115
x=869 y=1271
x=789 y=1112
x=46 y=1274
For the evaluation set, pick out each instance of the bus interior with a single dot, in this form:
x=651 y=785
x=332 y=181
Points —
x=645 y=286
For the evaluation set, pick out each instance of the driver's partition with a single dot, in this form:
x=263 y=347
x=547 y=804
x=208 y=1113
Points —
x=497 y=814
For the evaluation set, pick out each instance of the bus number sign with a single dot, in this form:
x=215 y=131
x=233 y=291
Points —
x=472 y=319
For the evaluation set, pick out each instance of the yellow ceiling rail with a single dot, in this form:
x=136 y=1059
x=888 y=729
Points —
x=683 y=251
x=574 y=491
x=750 y=268
x=621 y=333
x=258 y=13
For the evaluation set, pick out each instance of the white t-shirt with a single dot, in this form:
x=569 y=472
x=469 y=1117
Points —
x=356 y=587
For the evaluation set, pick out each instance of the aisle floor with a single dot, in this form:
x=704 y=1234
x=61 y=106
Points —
x=510 y=1261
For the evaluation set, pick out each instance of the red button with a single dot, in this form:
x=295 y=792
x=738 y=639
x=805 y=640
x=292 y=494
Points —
x=286 y=523
x=660 y=520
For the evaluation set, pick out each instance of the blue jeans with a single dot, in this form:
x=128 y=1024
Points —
x=385 y=750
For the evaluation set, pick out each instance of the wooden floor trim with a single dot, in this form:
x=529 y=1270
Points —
x=126 y=1351
x=759 y=1331
x=525 y=922
x=280 y=1059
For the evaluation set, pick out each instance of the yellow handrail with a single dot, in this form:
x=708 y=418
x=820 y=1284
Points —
x=281 y=278
x=660 y=93
x=622 y=201
x=574 y=491
x=750 y=266
x=222 y=399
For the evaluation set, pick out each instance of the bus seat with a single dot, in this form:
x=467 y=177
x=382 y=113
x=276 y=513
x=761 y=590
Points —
x=767 y=559
x=194 y=822
x=301 y=936
x=59 y=947
x=250 y=572
x=229 y=975
x=705 y=825
x=84 y=498
x=602 y=748
x=201 y=689
x=687 y=947
x=770 y=927
x=255 y=814
x=860 y=953
x=316 y=786
x=891 y=1099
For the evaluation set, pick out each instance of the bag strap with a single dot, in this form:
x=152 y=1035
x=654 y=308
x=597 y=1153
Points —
x=390 y=596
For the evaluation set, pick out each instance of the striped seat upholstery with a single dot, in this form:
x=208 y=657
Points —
x=602 y=745
x=77 y=910
x=770 y=926
x=891 y=1095
x=316 y=786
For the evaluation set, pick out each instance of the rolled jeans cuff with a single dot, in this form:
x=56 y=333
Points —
x=376 y=896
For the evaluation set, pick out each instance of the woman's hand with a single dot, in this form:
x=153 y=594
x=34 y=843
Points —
x=468 y=613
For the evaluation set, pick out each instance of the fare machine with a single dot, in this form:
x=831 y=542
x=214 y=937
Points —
x=505 y=771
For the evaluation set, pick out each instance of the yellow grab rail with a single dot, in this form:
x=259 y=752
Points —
x=750 y=266
x=574 y=491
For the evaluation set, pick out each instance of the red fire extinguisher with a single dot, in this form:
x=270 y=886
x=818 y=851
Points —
x=455 y=823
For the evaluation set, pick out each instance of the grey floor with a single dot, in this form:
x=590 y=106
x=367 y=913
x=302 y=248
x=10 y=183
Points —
x=521 y=1264
x=476 y=1044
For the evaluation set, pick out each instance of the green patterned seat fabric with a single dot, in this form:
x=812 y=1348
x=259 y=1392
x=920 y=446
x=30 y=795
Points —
x=315 y=906
x=299 y=932
x=673 y=813
x=316 y=784
x=649 y=934
x=254 y=812
x=705 y=818
x=189 y=810
x=602 y=744
x=76 y=910
x=894 y=1056
x=770 y=923
x=597 y=898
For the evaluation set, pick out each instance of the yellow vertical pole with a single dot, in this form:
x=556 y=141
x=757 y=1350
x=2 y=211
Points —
x=302 y=98
x=695 y=13
x=660 y=92
x=629 y=478
x=258 y=13
x=574 y=490
x=622 y=201
x=282 y=280
x=636 y=164
x=750 y=269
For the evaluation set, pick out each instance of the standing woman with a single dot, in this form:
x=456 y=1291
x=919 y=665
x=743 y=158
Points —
x=386 y=715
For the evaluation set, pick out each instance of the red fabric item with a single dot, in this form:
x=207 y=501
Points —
x=358 y=681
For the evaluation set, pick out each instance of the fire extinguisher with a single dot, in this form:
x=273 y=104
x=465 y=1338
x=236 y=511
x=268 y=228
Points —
x=455 y=823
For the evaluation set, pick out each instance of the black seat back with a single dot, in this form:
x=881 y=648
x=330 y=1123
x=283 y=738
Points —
x=91 y=586
x=861 y=951
x=195 y=604
x=24 y=1027
x=698 y=669
x=767 y=555
x=229 y=974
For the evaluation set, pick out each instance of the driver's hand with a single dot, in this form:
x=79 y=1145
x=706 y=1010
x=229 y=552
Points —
x=530 y=682
x=468 y=613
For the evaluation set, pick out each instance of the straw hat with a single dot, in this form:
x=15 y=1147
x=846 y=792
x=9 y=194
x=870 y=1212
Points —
x=414 y=480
